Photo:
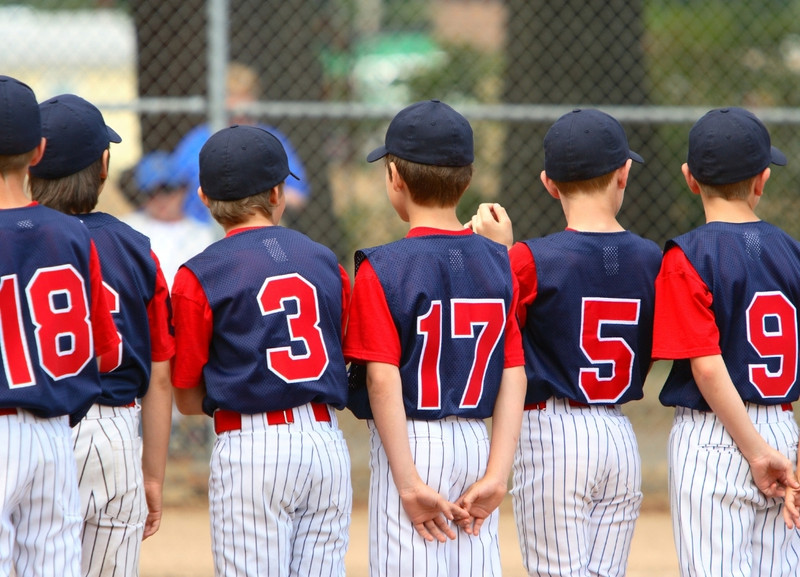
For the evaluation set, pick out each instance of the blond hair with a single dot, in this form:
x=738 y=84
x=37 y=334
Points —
x=230 y=213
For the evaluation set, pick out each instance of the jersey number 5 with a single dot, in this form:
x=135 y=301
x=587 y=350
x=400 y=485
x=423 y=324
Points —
x=481 y=319
x=615 y=351
x=772 y=332
x=59 y=309
x=303 y=328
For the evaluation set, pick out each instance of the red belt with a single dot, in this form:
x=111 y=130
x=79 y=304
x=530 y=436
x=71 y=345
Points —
x=232 y=421
x=4 y=412
x=542 y=405
x=786 y=406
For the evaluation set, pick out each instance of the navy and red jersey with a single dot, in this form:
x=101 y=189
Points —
x=258 y=319
x=137 y=295
x=586 y=308
x=439 y=305
x=54 y=319
x=731 y=289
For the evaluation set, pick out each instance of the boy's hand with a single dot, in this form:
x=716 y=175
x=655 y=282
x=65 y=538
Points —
x=773 y=473
x=791 y=508
x=430 y=513
x=480 y=500
x=492 y=221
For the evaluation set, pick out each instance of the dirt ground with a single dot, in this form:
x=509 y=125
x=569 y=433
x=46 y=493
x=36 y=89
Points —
x=183 y=546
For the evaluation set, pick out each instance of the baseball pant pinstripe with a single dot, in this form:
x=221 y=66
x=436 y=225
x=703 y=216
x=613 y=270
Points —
x=39 y=505
x=577 y=490
x=450 y=455
x=722 y=523
x=280 y=498
x=107 y=449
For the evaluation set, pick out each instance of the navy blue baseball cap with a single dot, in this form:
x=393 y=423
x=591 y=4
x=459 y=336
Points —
x=585 y=144
x=20 y=121
x=76 y=136
x=240 y=161
x=428 y=132
x=730 y=145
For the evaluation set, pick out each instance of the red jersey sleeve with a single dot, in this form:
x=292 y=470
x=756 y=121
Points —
x=345 y=297
x=513 y=354
x=524 y=268
x=104 y=331
x=371 y=334
x=159 y=313
x=193 y=326
x=684 y=325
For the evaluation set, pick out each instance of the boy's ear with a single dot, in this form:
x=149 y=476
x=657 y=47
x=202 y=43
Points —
x=690 y=181
x=622 y=174
x=276 y=195
x=39 y=153
x=551 y=187
x=104 y=170
x=394 y=177
x=761 y=181
x=203 y=197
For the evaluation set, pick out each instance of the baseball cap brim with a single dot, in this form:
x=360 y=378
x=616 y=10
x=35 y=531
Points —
x=113 y=136
x=778 y=157
x=636 y=157
x=376 y=154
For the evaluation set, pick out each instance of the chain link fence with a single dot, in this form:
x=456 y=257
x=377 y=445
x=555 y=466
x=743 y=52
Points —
x=329 y=74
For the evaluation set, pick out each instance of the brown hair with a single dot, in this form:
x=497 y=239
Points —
x=73 y=194
x=15 y=162
x=232 y=212
x=733 y=191
x=429 y=185
x=596 y=184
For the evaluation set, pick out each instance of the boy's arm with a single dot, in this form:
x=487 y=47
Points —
x=193 y=327
x=156 y=425
x=426 y=508
x=491 y=220
x=486 y=494
x=771 y=470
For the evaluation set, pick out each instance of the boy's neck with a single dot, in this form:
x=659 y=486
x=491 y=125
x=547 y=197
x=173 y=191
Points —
x=12 y=190
x=721 y=210
x=443 y=218
x=252 y=221
x=592 y=212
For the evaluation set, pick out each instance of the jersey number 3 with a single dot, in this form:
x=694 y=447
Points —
x=303 y=328
x=59 y=309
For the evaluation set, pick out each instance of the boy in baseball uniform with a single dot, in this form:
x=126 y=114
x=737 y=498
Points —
x=586 y=307
x=258 y=324
x=727 y=299
x=120 y=473
x=54 y=322
x=436 y=350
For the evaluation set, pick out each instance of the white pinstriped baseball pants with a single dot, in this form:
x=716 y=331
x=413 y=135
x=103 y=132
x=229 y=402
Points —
x=449 y=454
x=576 y=490
x=722 y=523
x=280 y=498
x=108 y=454
x=40 y=518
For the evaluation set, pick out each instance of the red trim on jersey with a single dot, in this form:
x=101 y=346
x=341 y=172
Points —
x=523 y=266
x=162 y=343
x=194 y=323
x=242 y=229
x=679 y=289
x=104 y=331
x=371 y=334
